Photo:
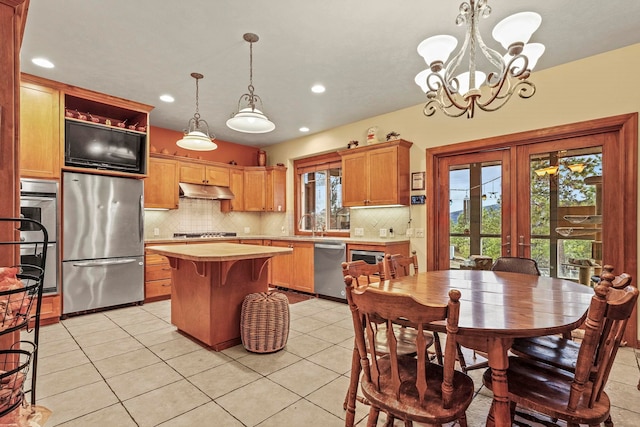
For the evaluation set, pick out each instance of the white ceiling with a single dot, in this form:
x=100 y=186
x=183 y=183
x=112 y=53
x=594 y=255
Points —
x=363 y=51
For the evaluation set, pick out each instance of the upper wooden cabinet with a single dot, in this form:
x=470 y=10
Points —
x=276 y=189
x=161 y=185
x=376 y=175
x=265 y=189
x=40 y=137
x=198 y=173
x=254 y=189
x=236 y=185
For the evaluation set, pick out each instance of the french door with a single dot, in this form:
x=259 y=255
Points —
x=565 y=196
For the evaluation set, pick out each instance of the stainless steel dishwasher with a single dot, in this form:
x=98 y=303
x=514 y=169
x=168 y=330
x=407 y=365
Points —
x=328 y=257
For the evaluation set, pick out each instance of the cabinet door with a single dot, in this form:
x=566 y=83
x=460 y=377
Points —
x=383 y=176
x=217 y=175
x=254 y=190
x=281 y=265
x=302 y=267
x=354 y=179
x=236 y=185
x=161 y=184
x=39 y=131
x=276 y=190
x=192 y=173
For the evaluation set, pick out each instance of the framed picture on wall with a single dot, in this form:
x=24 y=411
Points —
x=417 y=181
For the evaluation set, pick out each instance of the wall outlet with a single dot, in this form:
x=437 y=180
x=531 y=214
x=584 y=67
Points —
x=283 y=230
x=419 y=232
x=383 y=232
x=247 y=230
x=409 y=232
x=391 y=233
x=156 y=231
x=358 y=231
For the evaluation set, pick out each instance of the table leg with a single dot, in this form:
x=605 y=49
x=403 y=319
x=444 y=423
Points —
x=500 y=413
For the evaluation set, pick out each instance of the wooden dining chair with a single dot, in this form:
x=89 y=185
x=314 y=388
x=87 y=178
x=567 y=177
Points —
x=516 y=265
x=364 y=274
x=576 y=396
x=408 y=388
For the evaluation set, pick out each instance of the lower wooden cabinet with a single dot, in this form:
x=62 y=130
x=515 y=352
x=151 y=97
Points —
x=50 y=309
x=295 y=270
x=157 y=277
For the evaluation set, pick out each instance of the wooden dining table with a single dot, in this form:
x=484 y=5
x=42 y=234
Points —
x=497 y=307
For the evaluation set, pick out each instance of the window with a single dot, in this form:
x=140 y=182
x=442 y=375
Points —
x=319 y=196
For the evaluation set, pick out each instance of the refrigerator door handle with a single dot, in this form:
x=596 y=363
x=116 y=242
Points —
x=140 y=218
x=104 y=262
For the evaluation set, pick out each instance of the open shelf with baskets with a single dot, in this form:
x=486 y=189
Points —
x=20 y=303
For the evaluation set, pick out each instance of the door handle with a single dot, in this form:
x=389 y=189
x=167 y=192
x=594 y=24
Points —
x=522 y=245
x=101 y=263
x=507 y=244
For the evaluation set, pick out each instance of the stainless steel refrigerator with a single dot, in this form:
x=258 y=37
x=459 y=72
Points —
x=103 y=241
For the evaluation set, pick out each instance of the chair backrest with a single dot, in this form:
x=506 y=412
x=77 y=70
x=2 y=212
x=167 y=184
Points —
x=400 y=265
x=371 y=305
x=516 y=265
x=607 y=318
x=362 y=272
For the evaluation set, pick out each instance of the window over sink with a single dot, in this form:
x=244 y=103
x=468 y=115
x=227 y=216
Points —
x=318 y=196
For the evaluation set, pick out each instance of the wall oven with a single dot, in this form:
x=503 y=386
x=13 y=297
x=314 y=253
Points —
x=39 y=201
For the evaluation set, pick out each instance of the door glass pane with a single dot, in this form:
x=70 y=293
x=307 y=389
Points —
x=475 y=219
x=566 y=212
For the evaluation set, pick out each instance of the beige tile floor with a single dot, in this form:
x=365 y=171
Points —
x=129 y=367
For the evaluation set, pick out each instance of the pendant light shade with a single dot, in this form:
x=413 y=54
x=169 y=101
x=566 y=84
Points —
x=196 y=136
x=248 y=118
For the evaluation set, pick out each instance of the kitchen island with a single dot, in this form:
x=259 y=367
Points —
x=210 y=281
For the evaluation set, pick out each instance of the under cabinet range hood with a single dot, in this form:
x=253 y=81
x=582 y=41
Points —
x=211 y=192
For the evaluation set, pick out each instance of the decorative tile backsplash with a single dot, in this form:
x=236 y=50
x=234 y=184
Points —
x=198 y=215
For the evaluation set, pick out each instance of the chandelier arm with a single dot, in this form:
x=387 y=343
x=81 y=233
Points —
x=493 y=56
x=433 y=105
x=524 y=88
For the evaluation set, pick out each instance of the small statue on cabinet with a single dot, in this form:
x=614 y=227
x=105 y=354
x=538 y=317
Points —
x=353 y=144
x=372 y=138
x=392 y=136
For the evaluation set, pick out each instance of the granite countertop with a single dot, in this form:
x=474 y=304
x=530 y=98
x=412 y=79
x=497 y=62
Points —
x=352 y=240
x=221 y=251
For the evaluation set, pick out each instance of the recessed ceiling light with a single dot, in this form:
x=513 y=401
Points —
x=42 y=62
x=304 y=129
x=318 y=88
x=166 y=98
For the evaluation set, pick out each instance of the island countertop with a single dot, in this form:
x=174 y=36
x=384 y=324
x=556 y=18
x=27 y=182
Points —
x=221 y=251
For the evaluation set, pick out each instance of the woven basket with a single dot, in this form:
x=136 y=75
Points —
x=264 y=324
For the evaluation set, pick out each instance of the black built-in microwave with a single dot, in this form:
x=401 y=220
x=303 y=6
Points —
x=99 y=147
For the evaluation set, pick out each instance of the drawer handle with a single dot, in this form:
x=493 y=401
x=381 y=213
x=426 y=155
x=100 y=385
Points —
x=166 y=284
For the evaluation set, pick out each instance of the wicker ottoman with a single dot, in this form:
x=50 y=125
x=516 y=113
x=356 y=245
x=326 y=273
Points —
x=264 y=322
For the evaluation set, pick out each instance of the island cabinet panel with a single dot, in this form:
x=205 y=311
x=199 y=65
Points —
x=161 y=184
x=376 y=175
x=40 y=137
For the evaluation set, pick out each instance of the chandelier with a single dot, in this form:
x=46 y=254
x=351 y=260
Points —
x=456 y=93
x=248 y=118
x=196 y=135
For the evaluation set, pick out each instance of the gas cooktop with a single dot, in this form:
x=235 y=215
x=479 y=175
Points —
x=205 y=235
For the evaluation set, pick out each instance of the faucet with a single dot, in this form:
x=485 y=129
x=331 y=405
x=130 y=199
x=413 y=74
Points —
x=313 y=223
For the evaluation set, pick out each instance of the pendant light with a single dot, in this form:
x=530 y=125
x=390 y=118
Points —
x=248 y=118
x=196 y=136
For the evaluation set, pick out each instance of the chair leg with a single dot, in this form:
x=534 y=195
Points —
x=463 y=420
x=608 y=422
x=463 y=363
x=372 y=421
x=350 y=399
x=438 y=347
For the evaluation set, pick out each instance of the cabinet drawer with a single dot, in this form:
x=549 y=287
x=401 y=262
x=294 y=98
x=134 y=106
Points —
x=157 y=289
x=152 y=259
x=157 y=272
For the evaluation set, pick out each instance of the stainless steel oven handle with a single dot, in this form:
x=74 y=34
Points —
x=101 y=263
x=39 y=198
x=140 y=219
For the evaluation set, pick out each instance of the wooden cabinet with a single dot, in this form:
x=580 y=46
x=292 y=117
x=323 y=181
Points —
x=161 y=184
x=157 y=277
x=50 y=309
x=254 y=189
x=40 y=141
x=295 y=270
x=276 y=189
x=376 y=175
x=198 y=173
x=236 y=185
